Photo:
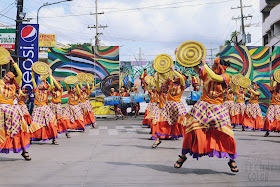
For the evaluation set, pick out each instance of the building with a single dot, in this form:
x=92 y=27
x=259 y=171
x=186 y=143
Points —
x=270 y=10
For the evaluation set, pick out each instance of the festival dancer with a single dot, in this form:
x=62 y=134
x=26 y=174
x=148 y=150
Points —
x=272 y=117
x=56 y=108
x=152 y=102
x=116 y=108
x=142 y=78
x=14 y=131
x=137 y=104
x=239 y=108
x=124 y=106
x=229 y=101
x=22 y=97
x=73 y=112
x=44 y=125
x=253 y=115
x=208 y=129
x=88 y=115
x=173 y=111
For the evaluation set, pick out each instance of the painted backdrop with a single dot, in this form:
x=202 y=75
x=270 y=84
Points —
x=254 y=63
x=102 y=62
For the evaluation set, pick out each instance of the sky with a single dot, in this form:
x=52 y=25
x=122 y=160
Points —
x=155 y=26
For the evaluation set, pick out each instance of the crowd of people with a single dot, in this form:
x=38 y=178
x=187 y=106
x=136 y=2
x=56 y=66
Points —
x=207 y=127
x=20 y=126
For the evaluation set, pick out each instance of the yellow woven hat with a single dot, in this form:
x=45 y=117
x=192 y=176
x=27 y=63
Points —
x=244 y=82
x=90 y=77
x=163 y=77
x=190 y=54
x=235 y=78
x=81 y=77
x=162 y=63
x=71 y=80
x=40 y=68
x=276 y=75
x=4 y=56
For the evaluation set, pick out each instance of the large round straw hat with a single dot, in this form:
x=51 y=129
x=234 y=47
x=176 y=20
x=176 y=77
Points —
x=190 y=54
x=163 y=77
x=244 y=82
x=148 y=79
x=4 y=56
x=276 y=75
x=81 y=77
x=71 y=80
x=40 y=68
x=162 y=63
x=90 y=77
x=235 y=78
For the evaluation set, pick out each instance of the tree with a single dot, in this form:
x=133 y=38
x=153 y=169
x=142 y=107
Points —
x=80 y=45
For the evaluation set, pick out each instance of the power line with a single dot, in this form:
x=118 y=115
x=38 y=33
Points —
x=141 y=8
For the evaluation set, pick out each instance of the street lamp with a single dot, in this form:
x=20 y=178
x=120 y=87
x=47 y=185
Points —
x=47 y=4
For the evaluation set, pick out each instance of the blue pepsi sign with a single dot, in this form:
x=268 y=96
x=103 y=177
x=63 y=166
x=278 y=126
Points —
x=28 y=48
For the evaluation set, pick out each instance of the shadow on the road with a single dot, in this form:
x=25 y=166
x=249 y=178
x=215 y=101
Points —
x=140 y=146
x=9 y=159
x=250 y=139
x=171 y=169
x=273 y=141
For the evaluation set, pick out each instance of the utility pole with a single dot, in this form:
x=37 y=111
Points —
x=242 y=21
x=140 y=56
x=96 y=26
x=18 y=21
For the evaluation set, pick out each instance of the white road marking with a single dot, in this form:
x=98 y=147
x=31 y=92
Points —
x=120 y=127
x=113 y=132
x=102 y=127
x=93 y=132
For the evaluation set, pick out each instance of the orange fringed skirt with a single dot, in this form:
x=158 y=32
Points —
x=209 y=132
x=272 y=119
x=20 y=142
x=44 y=124
x=253 y=117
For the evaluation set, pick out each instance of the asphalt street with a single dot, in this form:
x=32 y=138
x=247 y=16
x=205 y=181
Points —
x=118 y=153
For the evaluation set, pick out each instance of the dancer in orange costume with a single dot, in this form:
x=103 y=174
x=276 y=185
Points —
x=124 y=106
x=170 y=119
x=56 y=108
x=272 y=117
x=72 y=111
x=116 y=107
x=195 y=83
x=142 y=78
x=239 y=108
x=88 y=115
x=14 y=131
x=229 y=101
x=207 y=128
x=151 y=104
x=253 y=115
x=22 y=97
x=44 y=124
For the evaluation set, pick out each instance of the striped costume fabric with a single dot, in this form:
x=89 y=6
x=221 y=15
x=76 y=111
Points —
x=73 y=112
x=89 y=106
x=171 y=111
x=273 y=113
x=85 y=107
x=210 y=114
x=205 y=115
x=23 y=109
x=239 y=108
x=230 y=106
x=254 y=110
x=42 y=115
x=57 y=110
x=12 y=119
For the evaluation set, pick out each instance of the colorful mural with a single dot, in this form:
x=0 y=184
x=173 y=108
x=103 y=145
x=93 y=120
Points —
x=254 y=63
x=102 y=62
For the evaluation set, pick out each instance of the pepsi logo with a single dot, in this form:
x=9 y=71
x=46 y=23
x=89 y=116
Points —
x=28 y=33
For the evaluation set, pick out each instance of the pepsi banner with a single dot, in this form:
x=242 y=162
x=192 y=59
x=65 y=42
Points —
x=28 y=47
